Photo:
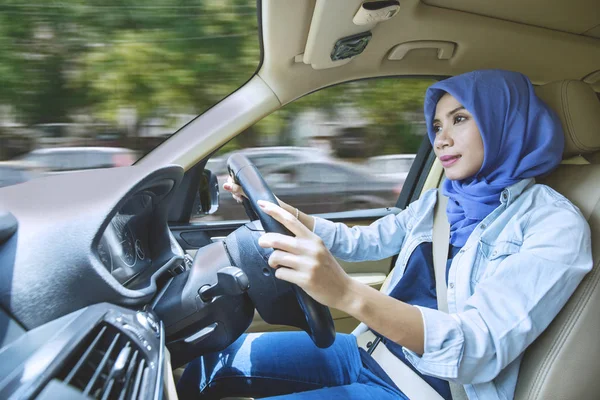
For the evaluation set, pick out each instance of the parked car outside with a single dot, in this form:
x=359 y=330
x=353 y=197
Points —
x=393 y=167
x=61 y=159
x=14 y=172
x=320 y=187
x=265 y=157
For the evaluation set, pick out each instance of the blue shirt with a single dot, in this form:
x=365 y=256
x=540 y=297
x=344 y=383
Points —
x=417 y=287
x=513 y=275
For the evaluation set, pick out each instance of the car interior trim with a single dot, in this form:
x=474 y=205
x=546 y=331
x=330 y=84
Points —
x=216 y=126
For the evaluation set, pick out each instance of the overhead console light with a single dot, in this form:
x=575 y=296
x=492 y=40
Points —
x=376 y=11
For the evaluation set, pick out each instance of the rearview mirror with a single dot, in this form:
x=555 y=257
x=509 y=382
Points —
x=208 y=192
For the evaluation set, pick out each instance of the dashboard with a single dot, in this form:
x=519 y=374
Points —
x=80 y=255
x=103 y=236
x=124 y=246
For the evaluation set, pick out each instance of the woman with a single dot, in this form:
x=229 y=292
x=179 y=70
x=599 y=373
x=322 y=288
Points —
x=517 y=252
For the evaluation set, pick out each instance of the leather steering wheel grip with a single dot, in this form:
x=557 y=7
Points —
x=318 y=317
x=245 y=174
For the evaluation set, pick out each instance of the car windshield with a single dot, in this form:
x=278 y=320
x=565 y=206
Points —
x=98 y=85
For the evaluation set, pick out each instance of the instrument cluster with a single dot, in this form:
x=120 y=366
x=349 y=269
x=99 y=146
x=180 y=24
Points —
x=124 y=247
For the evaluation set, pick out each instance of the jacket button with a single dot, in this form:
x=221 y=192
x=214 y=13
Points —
x=451 y=285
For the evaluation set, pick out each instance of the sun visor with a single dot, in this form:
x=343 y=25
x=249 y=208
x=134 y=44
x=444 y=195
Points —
x=341 y=29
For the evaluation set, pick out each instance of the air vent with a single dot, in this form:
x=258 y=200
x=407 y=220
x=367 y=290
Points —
x=108 y=365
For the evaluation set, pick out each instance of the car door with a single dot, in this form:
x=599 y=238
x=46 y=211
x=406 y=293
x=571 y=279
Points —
x=321 y=193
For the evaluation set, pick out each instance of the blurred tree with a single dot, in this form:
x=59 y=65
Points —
x=201 y=51
x=393 y=106
x=116 y=60
x=134 y=77
x=36 y=54
x=59 y=59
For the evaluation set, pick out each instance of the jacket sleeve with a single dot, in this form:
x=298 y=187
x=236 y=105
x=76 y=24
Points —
x=382 y=239
x=510 y=308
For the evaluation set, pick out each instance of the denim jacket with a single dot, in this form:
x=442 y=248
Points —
x=514 y=274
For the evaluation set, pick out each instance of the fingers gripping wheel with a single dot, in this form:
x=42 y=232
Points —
x=319 y=323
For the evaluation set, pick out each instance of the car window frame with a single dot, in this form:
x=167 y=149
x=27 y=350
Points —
x=181 y=211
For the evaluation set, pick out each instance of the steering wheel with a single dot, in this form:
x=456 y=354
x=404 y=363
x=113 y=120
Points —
x=319 y=323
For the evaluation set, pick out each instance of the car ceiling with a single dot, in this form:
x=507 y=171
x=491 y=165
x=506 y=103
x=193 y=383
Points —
x=581 y=17
x=547 y=40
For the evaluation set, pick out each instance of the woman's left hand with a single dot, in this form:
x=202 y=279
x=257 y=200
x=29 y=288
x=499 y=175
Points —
x=304 y=260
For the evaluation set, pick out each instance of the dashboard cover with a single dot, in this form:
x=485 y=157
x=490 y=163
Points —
x=8 y=225
x=84 y=238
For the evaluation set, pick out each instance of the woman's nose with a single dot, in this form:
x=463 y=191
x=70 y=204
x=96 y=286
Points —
x=442 y=139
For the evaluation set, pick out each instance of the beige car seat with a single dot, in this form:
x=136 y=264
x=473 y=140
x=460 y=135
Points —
x=564 y=362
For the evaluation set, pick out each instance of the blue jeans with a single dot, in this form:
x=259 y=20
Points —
x=286 y=365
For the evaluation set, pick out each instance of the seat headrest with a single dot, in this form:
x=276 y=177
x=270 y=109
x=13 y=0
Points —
x=578 y=107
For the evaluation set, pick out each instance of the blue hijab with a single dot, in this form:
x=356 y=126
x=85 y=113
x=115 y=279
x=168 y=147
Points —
x=522 y=138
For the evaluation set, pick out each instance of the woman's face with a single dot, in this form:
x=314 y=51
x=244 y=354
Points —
x=457 y=143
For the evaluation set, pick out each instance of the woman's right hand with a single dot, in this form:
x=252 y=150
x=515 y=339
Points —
x=238 y=194
x=236 y=190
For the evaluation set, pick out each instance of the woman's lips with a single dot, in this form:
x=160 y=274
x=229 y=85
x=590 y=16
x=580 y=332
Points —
x=448 y=160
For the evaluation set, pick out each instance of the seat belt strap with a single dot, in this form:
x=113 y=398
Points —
x=440 y=246
x=407 y=380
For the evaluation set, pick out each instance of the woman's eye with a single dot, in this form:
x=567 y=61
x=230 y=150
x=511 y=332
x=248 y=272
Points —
x=459 y=118
x=436 y=128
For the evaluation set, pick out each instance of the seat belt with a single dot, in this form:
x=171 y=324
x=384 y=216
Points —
x=440 y=246
x=407 y=380
x=411 y=384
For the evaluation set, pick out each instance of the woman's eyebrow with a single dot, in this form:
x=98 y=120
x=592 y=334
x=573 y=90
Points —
x=457 y=109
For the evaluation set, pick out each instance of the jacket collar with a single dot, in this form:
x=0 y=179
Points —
x=511 y=193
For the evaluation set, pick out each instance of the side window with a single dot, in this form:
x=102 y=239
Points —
x=84 y=161
x=71 y=161
x=308 y=175
x=406 y=164
x=322 y=174
x=57 y=162
x=264 y=161
x=10 y=176
x=342 y=148
x=282 y=177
